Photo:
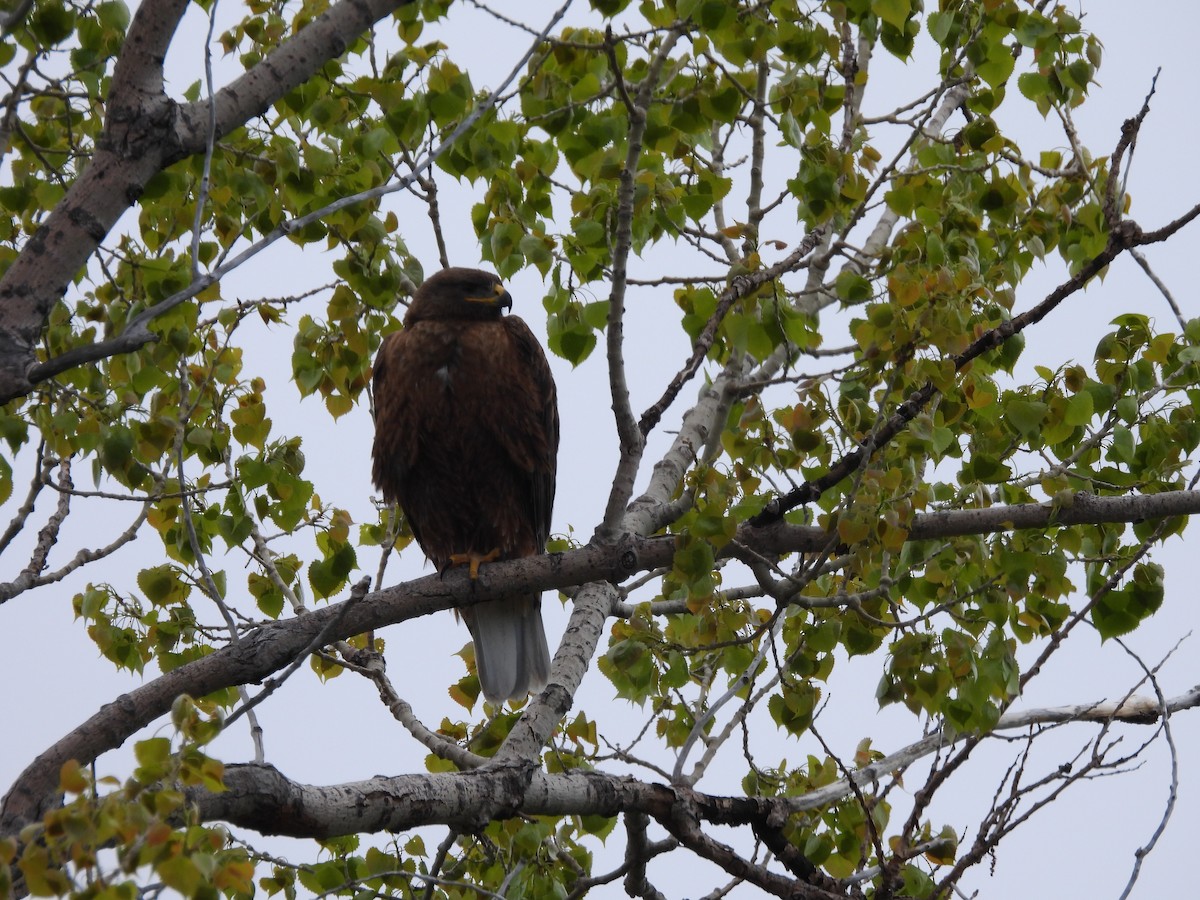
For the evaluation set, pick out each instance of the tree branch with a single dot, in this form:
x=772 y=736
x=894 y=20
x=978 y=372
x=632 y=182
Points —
x=261 y=798
x=32 y=577
x=277 y=645
x=632 y=440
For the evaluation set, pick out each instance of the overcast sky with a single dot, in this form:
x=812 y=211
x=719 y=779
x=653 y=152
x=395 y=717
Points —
x=1083 y=846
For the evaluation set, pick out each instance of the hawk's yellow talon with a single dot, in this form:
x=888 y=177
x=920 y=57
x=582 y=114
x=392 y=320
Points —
x=474 y=560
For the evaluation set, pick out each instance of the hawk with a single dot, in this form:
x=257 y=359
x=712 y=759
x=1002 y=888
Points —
x=466 y=442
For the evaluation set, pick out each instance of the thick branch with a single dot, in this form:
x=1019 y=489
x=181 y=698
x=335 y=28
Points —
x=273 y=647
x=261 y=798
x=1081 y=509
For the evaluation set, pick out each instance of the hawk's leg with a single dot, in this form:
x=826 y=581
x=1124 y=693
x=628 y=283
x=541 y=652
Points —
x=474 y=560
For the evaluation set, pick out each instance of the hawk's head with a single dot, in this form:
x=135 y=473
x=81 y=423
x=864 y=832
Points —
x=456 y=293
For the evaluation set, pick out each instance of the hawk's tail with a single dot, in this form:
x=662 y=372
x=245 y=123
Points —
x=511 y=655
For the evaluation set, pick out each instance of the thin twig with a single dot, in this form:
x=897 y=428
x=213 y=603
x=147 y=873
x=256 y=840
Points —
x=1162 y=288
x=207 y=582
x=210 y=141
x=1173 y=792
x=374 y=670
x=271 y=685
x=41 y=477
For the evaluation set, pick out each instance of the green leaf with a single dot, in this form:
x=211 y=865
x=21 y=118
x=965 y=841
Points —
x=793 y=708
x=328 y=576
x=1120 y=611
x=630 y=667
x=1080 y=409
x=1026 y=415
x=851 y=287
x=163 y=586
x=1033 y=85
x=894 y=12
x=153 y=756
x=267 y=594
x=998 y=66
x=180 y=874
x=598 y=826
x=52 y=22
x=6 y=482
x=941 y=26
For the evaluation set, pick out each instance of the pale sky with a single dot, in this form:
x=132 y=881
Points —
x=1083 y=846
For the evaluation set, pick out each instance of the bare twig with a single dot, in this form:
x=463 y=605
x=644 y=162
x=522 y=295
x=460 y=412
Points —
x=271 y=685
x=1129 y=132
x=1173 y=791
x=41 y=477
x=1162 y=288
x=209 y=143
x=373 y=668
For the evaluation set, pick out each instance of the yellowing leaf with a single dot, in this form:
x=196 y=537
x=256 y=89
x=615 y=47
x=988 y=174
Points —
x=72 y=778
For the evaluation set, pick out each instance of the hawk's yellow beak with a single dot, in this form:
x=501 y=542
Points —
x=499 y=297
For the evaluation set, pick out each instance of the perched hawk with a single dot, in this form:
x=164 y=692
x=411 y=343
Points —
x=466 y=440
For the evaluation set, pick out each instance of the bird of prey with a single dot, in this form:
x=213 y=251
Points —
x=466 y=442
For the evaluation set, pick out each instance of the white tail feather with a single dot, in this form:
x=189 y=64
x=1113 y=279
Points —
x=511 y=654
